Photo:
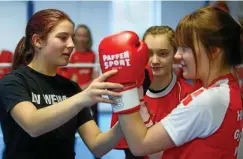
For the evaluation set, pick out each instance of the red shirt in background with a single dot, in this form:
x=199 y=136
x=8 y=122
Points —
x=84 y=75
x=5 y=57
x=64 y=72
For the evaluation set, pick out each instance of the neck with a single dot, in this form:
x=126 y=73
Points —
x=160 y=82
x=40 y=65
x=214 y=74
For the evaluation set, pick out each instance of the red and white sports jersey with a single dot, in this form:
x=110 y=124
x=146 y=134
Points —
x=5 y=57
x=207 y=124
x=84 y=75
x=162 y=103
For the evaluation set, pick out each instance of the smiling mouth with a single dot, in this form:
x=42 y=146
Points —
x=156 y=68
x=66 y=55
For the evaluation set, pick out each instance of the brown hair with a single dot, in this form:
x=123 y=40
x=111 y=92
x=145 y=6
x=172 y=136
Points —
x=161 y=30
x=40 y=23
x=90 y=41
x=213 y=28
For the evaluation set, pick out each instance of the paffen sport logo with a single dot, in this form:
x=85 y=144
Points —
x=119 y=103
x=117 y=60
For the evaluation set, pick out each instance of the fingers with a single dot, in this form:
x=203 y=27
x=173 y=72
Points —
x=107 y=74
x=108 y=85
x=106 y=93
x=104 y=100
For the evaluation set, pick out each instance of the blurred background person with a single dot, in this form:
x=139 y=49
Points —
x=83 y=53
x=64 y=71
x=5 y=57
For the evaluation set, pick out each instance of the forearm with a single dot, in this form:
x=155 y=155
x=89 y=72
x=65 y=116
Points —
x=53 y=116
x=107 y=141
x=134 y=131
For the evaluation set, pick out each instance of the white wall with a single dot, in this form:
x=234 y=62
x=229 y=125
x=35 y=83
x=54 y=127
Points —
x=174 y=11
x=12 y=26
x=103 y=17
x=94 y=14
x=235 y=9
x=135 y=16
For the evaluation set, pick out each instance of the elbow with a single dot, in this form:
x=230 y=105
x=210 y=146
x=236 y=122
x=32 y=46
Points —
x=34 y=134
x=138 y=151
x=97 y=153
x=33 y=131
x=99 y=150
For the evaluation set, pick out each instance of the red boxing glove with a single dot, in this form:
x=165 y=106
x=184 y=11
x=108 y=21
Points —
x=124 y=52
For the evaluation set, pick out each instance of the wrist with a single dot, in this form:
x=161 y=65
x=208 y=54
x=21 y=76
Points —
x=78 y=100
x=127 y=103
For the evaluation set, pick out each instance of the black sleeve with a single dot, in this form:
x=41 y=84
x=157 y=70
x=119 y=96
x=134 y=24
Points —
x=85 y=114
x=13 y=91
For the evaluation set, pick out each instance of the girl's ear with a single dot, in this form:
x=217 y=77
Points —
x=215 y=51
x=37 y=41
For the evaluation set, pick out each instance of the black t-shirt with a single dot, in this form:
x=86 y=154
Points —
x=25 y=84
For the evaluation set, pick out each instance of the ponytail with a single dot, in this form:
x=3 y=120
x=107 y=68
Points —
x=23 y=53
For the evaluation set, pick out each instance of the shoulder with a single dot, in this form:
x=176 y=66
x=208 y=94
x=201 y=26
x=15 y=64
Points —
x=201 y=112
x=213 y=97
x=15 y=75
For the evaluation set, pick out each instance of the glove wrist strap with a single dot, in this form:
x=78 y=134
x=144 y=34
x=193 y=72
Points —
x=127 y=103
